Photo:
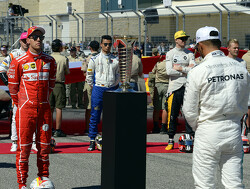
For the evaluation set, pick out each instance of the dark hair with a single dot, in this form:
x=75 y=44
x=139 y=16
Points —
x=94 y=45
x=56 y=45
x=212 y=42
x=108 y=37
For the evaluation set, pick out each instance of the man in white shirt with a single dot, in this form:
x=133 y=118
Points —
x=178 y=63
x=214 y=103
x=102 y=75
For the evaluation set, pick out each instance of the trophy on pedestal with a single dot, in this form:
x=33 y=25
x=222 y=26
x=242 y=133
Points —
x=125 y=54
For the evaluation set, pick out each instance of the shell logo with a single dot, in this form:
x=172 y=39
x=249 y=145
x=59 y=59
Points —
x=26 y=66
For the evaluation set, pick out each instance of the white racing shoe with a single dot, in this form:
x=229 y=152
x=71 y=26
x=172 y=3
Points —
x=13 y=146
x=42 y=182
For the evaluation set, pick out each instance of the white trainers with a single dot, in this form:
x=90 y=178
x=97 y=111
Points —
x=13 y=146
x=33 y=147
x=24 y=187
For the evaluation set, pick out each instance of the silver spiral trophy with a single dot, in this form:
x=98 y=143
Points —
x=125 y=54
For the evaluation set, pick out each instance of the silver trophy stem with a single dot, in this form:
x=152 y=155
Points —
x=125 y=53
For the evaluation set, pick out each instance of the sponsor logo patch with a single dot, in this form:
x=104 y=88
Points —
x=43 y=75
x=33 y=65
x=45 y=127
x=26 y=67
x=30 y=76
x=5 y=63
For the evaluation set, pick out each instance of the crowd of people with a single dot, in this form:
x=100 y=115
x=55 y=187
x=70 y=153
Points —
x=212 y=91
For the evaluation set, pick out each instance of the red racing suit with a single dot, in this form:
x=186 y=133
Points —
x=31 y=80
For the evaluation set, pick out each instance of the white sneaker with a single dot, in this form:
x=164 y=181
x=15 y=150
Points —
x=13 y=146
x=33 y=147
x=24 y=187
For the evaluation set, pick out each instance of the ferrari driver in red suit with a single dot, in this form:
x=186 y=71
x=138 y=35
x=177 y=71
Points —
x=31 y=80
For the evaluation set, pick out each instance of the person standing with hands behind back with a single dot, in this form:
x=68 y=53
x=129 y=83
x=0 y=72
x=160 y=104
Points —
x=102 y=75
x=58 y=95
x=214 y=103
x=31 y=80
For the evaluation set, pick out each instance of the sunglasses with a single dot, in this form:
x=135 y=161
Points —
x=107 y=44
x=35 y=37
x=183 y=38
x=24 y=41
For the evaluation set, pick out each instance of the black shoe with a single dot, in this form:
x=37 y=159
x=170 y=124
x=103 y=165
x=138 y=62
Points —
x=59 y=133
x=86 y=131
x=80 y=107
x=53 y=131
x=156 y=130
x=74 y=107
x=164 y=130
x=92 y=145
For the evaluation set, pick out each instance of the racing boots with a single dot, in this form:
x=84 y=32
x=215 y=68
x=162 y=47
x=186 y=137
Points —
x=170 y=145
x=92 y=145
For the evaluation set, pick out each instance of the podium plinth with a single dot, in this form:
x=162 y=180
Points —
x=124 y=140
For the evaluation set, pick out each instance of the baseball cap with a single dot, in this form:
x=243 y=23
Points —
x=3 y=47
x=180 y=34
x=35 y=28
x=23 y=35
x=207 y=33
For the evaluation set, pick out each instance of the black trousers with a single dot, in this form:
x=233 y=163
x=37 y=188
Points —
x=172 y=106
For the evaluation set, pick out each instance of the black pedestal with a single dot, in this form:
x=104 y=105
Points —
x=124 y=140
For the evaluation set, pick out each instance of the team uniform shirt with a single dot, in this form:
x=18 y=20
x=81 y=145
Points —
x=160 y=72
x=105 y=70
x=181 y=57
x=62 y=64
x=207 y=77
x=136 y=68
x=86 y=61
x=214 y=103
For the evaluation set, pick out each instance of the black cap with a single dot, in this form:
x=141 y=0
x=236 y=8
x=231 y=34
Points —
x=4 y=47
x=72 y=49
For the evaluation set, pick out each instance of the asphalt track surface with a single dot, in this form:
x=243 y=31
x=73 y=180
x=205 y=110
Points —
x=83 y=170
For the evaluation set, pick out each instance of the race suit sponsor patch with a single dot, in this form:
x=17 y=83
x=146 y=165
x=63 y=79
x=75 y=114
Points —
x=46 y=66
x=30 y=76
x=43 y=75
x=29 y=66
x=225 y=78
x=5 y=63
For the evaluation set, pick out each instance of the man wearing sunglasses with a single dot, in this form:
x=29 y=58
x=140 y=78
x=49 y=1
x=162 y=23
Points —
x=4 y=67
x=31 y=80
x=178 y=63
x=102 y=75
x=214 y=103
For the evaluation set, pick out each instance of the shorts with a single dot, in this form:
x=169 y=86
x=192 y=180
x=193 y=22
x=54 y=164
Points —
x=57 y=98
x=160 y=92
x=87 y=96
